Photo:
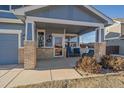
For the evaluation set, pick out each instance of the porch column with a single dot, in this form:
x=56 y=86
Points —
x=99 y=35
x=29 y=47
x=64 y=49
x=78 y=38
x=100 y=45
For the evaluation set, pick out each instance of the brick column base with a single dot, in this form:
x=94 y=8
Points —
x=64 y=52
x=100 y=50
x=21 y=55
x=29 y=55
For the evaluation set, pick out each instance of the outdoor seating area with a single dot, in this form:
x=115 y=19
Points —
x=73 y=52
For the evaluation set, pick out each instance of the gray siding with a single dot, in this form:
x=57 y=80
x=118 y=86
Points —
x=66 y=12
x=29 y=31
x=7 y=15
x=117 y=42
x=14 y=27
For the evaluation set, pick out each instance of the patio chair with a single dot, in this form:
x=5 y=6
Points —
x=69 y=52
x=90 y=53
x=76 y=52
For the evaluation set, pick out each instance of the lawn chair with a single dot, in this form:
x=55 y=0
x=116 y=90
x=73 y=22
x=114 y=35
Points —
x=76 y=52
x=89 y=54
x=69 y=52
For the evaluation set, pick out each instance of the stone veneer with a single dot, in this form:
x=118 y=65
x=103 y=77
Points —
x=100 y=50
x=46 y=53
x=21 y=55
x=29 y=54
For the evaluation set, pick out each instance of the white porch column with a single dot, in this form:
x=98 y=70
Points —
x=78 y=38
x=29 y=46
x=100 y=45
x=99 y=35
x=64 y=38
x=29 y=31
x=64 y=49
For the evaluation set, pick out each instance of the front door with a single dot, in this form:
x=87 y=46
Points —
x=58 y=45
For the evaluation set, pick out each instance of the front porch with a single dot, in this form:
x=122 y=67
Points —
x=54 y=40
x=56 y=63
x=51 y=40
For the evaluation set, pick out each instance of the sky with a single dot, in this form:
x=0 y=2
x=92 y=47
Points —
x=112 y=11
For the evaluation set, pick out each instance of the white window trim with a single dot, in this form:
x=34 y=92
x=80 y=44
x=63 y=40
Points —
x=41 y=30
x=63 y=44
x=44 y=31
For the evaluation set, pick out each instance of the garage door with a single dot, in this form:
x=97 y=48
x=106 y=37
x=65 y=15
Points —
x=8 y=49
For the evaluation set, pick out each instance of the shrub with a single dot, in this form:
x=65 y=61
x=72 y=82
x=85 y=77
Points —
x=88 y=64
x=115 y=63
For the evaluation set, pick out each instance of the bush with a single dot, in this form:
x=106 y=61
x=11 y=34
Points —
x=88 y=64
x=114 y=63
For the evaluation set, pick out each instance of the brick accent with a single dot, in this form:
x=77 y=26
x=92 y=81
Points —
x=64 y=51
x=47 y=53
x=44 y=53
x=100 y=50
x=21 y=55
x=29 y=54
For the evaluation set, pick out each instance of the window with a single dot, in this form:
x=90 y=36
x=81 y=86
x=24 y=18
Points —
x=45 y=39
x=48 y=39
x=40 y=39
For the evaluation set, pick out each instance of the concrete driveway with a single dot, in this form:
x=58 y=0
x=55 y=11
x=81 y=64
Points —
x=47 y=70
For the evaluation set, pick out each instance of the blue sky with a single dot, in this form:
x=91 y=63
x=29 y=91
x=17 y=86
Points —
x=112 y=11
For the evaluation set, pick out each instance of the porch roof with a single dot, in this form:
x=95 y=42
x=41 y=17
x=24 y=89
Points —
x=22 y=11
x=70 y=29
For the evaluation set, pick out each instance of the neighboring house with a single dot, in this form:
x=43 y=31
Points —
x=114 y=34
x=30 y=33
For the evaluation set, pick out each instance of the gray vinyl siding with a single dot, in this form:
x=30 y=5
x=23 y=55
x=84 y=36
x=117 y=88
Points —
x=7 y=15
x=117 y=42
x=15 y=27
x=29 y=31
x=67 y=12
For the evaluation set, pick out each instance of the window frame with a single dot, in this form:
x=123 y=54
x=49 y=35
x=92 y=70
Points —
x=44 y=31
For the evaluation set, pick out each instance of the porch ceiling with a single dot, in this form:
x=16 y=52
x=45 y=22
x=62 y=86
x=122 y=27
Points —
x=69 y=28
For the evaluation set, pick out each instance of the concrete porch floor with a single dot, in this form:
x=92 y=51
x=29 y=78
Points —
x=46 y=70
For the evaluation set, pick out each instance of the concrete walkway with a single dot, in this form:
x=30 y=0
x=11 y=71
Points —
x=47 y=70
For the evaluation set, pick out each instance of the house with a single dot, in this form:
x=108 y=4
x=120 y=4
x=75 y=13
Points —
x=114 y=35
x=31 y=33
